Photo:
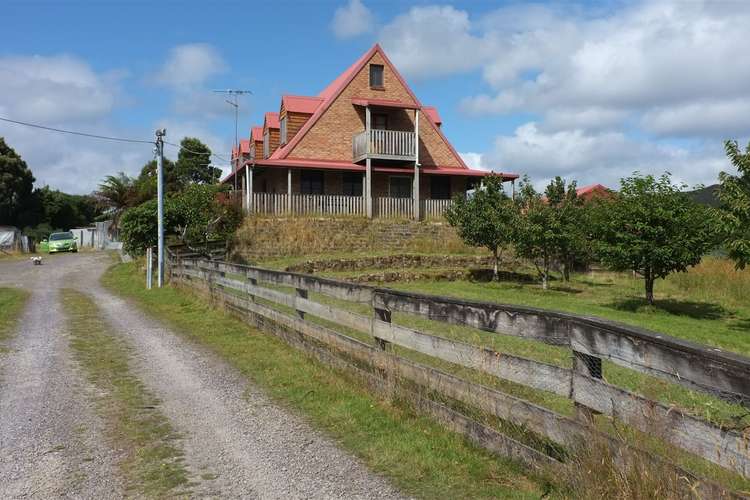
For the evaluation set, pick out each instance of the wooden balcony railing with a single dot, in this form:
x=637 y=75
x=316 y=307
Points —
x=384 y=145
x=336 y=205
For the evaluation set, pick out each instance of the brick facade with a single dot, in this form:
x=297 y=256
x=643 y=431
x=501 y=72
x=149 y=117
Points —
x=331 y=136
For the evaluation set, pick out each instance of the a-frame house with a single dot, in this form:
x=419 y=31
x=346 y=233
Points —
x=365 y=146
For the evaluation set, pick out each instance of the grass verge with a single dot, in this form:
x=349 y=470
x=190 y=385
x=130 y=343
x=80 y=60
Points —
x=418 y=455
x=153 y=461
x=12 y=301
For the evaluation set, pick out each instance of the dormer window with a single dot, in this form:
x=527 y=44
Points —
x=266 y=144
x=376 y=76
x=282 y=126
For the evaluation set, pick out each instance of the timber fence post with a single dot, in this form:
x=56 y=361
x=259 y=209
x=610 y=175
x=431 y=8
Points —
x=301 y=293
x=382 y=315
x=587 y=366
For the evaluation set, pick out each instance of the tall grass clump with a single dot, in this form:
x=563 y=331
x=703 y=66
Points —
x=715 y=279
x=597 y=470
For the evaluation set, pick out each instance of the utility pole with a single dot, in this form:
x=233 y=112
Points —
x=235 y=94
x=160 y=133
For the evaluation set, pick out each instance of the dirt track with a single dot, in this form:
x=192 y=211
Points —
x=237 y=443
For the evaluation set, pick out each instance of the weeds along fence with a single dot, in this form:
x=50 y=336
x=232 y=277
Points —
x=460 y=383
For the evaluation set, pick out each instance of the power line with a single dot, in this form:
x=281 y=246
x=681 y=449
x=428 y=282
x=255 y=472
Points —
x=105 y=137
x=196 y=152
x=73 y=132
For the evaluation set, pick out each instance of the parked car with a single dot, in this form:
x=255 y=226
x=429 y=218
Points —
x=62 y=242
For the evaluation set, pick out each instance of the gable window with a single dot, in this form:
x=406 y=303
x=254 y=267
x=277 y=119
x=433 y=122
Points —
x=380 y=121
x=311 y=182
x=283 y=130
x=399 y=186
x=352 y=184
x=266 y=144
x=440 y=187
x=376 y=76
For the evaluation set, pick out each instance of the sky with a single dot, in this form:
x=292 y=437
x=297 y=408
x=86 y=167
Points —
x=590 y=91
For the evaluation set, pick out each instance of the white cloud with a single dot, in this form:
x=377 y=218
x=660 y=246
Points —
x=352 y=20
x=585 y=64
x=190 y=64
x=715 y=117
x=54 y=89
x=76 y=164
x=472 y=160
x=433 y=40
x=65 y=92
x=650 y=85
x=603 y=157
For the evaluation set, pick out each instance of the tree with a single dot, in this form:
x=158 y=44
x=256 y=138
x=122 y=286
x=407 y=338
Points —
x=571 y=242
x=538 y=230
x=484 y=219
x=734 y=195
x=16 y=183
x=192 y=216
x=116 y=193
x=652 y=228
x=145 y=184
x=193 y=163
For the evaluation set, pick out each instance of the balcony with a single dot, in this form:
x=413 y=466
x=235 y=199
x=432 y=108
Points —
x=384 y=145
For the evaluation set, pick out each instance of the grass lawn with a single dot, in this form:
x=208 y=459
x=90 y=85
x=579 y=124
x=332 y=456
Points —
x=11 y=305
x=415 y=453
x=152 y=464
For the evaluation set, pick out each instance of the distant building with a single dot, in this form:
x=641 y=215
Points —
x=592 y=191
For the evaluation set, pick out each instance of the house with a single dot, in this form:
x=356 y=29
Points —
x=593 y=191
x=365 y=145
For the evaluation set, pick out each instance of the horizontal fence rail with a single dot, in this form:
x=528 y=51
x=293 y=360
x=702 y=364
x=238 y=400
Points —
x=590 y=340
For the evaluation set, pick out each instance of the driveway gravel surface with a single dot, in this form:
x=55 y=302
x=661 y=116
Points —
x=237 y=442
x=51 y=441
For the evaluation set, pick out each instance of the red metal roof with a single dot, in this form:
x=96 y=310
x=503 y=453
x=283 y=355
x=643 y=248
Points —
x=432 y=112
x=257 y=133
x=272 y=119
x=301 y=104
x=334 y=89
x=593 y=190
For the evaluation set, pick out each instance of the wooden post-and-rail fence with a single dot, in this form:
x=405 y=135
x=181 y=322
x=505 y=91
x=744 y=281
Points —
x=254 y=294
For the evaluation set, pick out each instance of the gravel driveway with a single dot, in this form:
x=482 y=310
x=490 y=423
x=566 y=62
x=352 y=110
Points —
x=237 y=442
x=51 y=442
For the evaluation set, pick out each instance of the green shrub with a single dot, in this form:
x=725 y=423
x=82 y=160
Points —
x=191 y=216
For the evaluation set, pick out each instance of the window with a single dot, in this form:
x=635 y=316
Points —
x=376 y=76
x=352 y=184
x=440 y=187
x=283 y=130
x=266 y=144
x=379 y=121
x=399 y=186
x=311 y=182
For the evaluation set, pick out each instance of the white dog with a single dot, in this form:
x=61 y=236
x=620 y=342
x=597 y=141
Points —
x=37 y=261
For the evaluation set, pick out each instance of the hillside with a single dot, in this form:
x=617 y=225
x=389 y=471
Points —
x=706 y=195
